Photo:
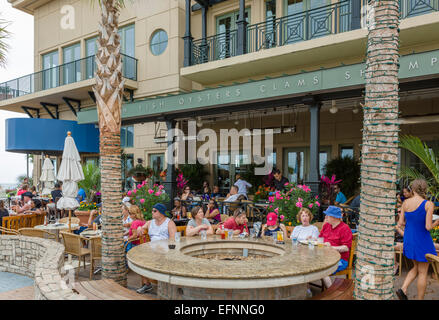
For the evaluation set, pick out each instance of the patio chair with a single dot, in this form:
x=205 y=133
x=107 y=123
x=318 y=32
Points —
x=6 y=231
x=38 y=233
x=75 y=220
x=182 y=229
x=399 y=252
x=289 y=230
x=434 y=261
x=224 y=217
x=348 y=271
x=319 y=225
x=95 y=252
x=73 y=246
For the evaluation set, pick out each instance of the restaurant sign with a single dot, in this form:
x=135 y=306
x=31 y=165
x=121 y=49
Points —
x=414 y=65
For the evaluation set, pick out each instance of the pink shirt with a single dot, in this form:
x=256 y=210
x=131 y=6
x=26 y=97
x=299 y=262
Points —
x=134 y=225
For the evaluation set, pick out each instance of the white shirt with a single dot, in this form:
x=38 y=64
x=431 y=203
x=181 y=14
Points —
x=302 y=233
x=125 y=230
x=160 y=232
x=233 y=197
x=242 y=186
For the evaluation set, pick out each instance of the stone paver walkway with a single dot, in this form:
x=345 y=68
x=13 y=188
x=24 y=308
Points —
x=26 y=293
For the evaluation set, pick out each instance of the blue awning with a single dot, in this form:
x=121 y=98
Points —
x=34 y=136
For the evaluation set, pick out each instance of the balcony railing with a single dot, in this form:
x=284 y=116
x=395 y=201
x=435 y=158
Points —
x=331 y=19
x=67 y=73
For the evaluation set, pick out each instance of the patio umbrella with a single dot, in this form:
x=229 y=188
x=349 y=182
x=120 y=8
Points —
x=47 y=176
x=70 y=172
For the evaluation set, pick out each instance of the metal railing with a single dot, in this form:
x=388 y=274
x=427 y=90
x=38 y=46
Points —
x=319 y=22
x=217 y=47
x=67 y=73
x=301 y=26
x=411 y=8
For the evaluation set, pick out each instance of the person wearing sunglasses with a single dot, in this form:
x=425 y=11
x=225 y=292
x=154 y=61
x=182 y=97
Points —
x=160 y=227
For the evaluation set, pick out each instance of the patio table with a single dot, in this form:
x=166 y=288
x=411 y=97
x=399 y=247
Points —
x=57 y=227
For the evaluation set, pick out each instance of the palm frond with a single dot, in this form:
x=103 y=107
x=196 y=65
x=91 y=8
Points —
x=411 y=174
x=422 y=151
x=4 y=47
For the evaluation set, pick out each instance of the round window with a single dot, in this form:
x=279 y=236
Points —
x=159 y=42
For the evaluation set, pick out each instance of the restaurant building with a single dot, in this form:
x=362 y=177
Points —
x=294 y=66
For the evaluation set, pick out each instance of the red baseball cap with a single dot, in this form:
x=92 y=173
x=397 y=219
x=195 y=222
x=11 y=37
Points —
x=271 y=219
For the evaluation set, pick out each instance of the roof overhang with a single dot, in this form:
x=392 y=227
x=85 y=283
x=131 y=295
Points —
x=28 y=6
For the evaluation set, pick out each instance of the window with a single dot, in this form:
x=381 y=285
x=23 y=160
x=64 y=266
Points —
x=226 y=26
x=72 y=65
x=51 y=74
x=347 y=151
x=159 y=42
x=91 y=48
x=127 y=45
x=127 y=136
x=157 y=162
x=127 y=165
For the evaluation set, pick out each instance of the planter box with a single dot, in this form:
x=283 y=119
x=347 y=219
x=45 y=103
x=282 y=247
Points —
x=83 y=216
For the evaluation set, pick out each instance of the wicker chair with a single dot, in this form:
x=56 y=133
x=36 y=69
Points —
x=348 y=271
x=6 y=231
x=73 y=246
x=434 y=261
x=182 y=229
x=32 y=232
x=95 y=252
x=75 y=220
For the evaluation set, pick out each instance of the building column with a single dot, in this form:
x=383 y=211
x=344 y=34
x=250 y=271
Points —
x=188 y=37
x=170 y=184
x=204 y=57
x=314 y=145
x=356 y=14
x=242 y=29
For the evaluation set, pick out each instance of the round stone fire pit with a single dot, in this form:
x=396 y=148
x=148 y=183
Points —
x=231 y=269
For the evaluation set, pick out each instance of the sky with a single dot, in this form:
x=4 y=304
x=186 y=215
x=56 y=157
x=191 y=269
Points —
x=20 y=62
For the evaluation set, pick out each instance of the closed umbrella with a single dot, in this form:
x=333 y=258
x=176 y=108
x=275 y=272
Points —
x=47 y=176
x=70 y=172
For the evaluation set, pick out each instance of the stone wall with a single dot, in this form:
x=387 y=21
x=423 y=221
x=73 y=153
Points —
x=40 y=259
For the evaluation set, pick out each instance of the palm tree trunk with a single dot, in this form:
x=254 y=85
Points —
x=108 y=91
x=375 y=253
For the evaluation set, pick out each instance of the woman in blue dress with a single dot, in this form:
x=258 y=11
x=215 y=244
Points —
x=417 y=216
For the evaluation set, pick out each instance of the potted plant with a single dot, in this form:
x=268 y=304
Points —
x=262 y=193
x=146 y=197
x=139 y=172
x=289 y=202
x=327 y=189
x=83 y=212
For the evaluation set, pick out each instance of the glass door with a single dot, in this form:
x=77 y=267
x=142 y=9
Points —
x=226 y=28
x=50 y=72
x=128 y=47
x=270 y=19
x=72 y=65
x=90 y=48
x=294 y=164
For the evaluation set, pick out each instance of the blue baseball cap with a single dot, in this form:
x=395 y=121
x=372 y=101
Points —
x=333 y=211
x=161 y=208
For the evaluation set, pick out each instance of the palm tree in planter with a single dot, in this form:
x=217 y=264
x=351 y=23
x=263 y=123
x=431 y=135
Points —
x=108 y=91
x=375 y=254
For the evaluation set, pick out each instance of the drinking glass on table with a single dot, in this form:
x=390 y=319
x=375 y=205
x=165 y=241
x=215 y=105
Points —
x=203 y=235
x=294 y=241
x=320 y=242
x=177 y=237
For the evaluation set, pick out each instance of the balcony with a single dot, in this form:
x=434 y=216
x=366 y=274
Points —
x=74 y=79
x=78 y=70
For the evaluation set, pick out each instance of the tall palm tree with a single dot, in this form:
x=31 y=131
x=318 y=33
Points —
x=375 y=254
x=4 y=34
x=108 y=91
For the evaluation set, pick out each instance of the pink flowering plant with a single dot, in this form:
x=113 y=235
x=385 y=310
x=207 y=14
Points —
x=145 y=197
x=327 y=186
x=289 y=202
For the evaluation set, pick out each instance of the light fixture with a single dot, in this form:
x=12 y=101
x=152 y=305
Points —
x=333 y=108
x=355 y=110
x=199 y=122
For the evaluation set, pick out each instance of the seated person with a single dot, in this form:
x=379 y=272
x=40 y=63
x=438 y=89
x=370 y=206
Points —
x=337 y=235
x=233 y=195
x=341 y=198
x=36 y=206
x=81 y=196
x=179 y=210
x=198 y=223
x=237 y=223
x=273 y=226
x=33 y=189
x=57 y=193
x=242 y=185
x=138 y=220
x=306 y=230
x=126 y=221
x=160 y=227
x=186 y=198
x=279 y=180
x=3 y=211
x=91 y=220
x=23 y=190
x=216 y=192
x=27 y=203
x=212 y=212
x=205 y=191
